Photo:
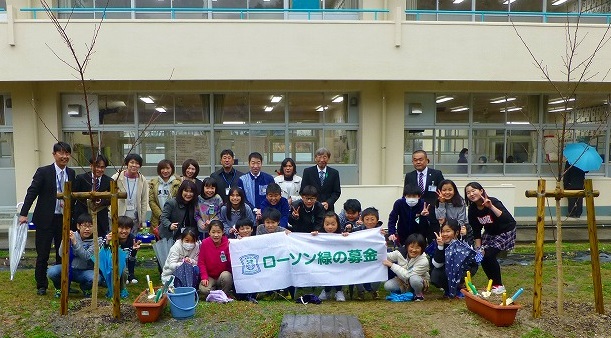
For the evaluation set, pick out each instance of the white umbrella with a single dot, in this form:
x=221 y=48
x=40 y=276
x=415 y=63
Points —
x=17 y=237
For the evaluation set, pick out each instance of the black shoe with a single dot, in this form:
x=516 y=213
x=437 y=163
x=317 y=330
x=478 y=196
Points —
x=41 y=291
x=252 y=300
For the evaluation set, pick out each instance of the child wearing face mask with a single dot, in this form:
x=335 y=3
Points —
x=409 y=215
x=184 y=251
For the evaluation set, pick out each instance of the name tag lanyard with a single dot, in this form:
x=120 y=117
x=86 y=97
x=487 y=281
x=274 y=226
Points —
x=130 y=192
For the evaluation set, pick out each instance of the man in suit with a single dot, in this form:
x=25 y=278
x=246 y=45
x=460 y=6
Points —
x=427 y=179
x=227 y=177
x=324 y=178
x=84 y=183
x=48 y=214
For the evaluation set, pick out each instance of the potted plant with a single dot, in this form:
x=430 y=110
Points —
x=149 y=309
x=499 y=315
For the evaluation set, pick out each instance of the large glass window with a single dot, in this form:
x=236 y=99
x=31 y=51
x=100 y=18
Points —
x=190 y=4
x=163 y=5
x=452 y=108
x=229 y=4
x=177 y=126
x=6 y=150
x=511 y=134
x=267 y=108
x=450 y=143
x=116 y=108
x=307 y=107
x=508 y=108
x=2 y=108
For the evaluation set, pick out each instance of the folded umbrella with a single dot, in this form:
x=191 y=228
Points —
x=18 y=236
x=459 y=258
x=583 y=156
x=162 y=249
x=106 y=266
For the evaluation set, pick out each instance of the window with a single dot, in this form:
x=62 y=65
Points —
x=177 y=126
x=506 y=136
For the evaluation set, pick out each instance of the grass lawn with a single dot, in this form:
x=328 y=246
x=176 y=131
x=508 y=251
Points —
x=26 y=314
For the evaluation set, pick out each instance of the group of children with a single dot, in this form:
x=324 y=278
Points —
x=200 y=256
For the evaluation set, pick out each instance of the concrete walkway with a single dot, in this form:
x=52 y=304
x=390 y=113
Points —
x=320 y=326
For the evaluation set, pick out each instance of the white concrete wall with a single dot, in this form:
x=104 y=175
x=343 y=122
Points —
x=294 y=50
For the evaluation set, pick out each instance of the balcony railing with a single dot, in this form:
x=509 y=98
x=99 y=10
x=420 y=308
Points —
x=209 y=13
x=505 y=16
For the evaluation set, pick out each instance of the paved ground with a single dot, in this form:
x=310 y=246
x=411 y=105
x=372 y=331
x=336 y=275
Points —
x=322 y=326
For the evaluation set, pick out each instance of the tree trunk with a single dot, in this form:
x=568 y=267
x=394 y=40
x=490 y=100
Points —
x=560 y=273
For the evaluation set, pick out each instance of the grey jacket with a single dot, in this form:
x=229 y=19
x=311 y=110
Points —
x=82 y=251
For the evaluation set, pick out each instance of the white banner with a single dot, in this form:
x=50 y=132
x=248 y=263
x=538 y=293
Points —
x=276 y=261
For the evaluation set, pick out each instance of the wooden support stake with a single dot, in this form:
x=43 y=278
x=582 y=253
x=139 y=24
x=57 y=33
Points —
x=96 y=264
x=65 y=286
x=538 y=289
x=594 y=253
x=116 y=294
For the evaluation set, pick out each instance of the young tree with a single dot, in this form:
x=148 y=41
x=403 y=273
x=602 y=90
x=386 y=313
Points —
x=577 y=69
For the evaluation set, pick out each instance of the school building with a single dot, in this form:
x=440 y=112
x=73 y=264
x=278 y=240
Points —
x=370 y=80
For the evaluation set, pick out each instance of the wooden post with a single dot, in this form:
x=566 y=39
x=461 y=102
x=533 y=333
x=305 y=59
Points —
x=594 y=254
x=559 y=193
x=538 y=288
x=67 y=195
x=96 y=264
x=116 y=294
x=65 y=286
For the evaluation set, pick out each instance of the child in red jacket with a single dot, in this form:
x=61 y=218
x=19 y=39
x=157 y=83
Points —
x=214 y=262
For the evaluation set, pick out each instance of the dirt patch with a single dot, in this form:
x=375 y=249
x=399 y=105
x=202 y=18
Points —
x=579 y=320
x=82 y=318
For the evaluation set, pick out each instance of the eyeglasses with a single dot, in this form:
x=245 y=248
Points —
x=86 y=226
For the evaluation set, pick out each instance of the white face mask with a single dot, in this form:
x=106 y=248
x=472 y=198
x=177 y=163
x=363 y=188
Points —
x=411 y=201
x=188 y=246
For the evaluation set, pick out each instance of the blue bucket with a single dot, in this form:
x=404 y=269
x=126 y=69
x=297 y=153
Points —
x=182 y=302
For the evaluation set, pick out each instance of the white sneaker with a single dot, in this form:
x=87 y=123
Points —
x=134 y=281
x=323 y=295
x=339 y=296
x=498 y=289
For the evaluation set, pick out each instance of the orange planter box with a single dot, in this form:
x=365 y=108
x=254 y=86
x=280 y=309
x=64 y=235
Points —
x=149 y=312
x=499 y=315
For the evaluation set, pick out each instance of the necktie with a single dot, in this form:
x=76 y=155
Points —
x=96 y=182
x=61 y=188
x=321 y=175
x=421 y=182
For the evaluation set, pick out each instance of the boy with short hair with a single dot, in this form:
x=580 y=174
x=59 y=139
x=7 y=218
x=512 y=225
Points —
x=308 y=215
x=350 y=216
x=81 y=265
x=409 y=215
x=274 y=199
x=129 y=244
x=245 y=227
x=271 y=219
x=371 y=219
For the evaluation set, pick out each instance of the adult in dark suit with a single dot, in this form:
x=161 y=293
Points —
x=427 y=179
x=84 y=183
x=227 y=177
x=48 y=214
x=574 y=180
x=324 y=178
